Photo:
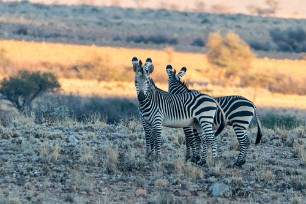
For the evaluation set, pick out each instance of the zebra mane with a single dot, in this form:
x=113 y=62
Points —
x=185 y=84
x=155 y=87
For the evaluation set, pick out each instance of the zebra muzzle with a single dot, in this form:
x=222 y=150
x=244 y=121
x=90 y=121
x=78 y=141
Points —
x=141 y=96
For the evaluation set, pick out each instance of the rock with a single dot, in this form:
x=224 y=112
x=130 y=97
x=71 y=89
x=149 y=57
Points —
x=218 y=189
x=72 y=139
x=185 y=186
x=140 y=192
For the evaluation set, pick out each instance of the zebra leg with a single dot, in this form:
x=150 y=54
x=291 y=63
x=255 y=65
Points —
x=190 y=144
x=203 y=139
x=157 y=128
x=197 y=142
x=207 y=127
x=244 y=144
x=149 y=138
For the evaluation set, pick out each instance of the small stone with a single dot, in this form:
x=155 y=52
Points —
x=185 y=186
x=140 y=192
x=218 y=189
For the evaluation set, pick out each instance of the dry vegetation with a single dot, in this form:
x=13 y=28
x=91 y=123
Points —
x=72 y=162
x=86 y=144
x=116 y=77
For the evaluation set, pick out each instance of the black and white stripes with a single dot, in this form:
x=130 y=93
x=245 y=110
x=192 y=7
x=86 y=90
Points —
x=159 y=108
x=238 y=111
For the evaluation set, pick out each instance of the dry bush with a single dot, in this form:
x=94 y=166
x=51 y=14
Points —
x=55 y=152
x=189 y=171
x=217 y=168
x=111 y=159
x=230 y=53
x=267 y=175
x=236 y=180
x=87 y=155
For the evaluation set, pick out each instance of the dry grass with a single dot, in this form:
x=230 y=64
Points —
x=32 y=54
x=35 y=52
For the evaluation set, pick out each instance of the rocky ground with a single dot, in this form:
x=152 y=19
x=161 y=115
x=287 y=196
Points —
x=94 y=162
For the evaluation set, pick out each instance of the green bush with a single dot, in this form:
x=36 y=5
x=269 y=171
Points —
x=22 y=89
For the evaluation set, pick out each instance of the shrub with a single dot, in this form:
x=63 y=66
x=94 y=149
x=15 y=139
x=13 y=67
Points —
x=230 y=52
x=50 y=111
x=282 y=121
x=84 y=108
x=155 y=39
x=22 y=89
x=290 y=40
x=198 y=42
x=265 y=46
x=21 y=30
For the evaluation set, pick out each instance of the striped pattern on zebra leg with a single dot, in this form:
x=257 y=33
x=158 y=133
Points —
x=149 y=139
x=159 y=108
x=172 y=80
x=190 y=145
x=238 y=112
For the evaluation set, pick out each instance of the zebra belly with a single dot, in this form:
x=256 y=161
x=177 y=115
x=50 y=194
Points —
x=177 y=123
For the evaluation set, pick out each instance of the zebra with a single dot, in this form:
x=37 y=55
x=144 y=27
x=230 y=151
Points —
x=159 y=108
x=238 y=111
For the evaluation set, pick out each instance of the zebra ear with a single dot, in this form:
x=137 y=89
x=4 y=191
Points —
x=150 y=68
x=169 y=69
x=181 y=73
x=135 y=64
x=149 y=65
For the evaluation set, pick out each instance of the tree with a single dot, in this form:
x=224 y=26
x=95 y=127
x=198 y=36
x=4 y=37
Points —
x=230 y=53
x=22 y=89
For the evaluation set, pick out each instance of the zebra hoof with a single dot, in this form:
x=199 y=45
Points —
x=195 y=159
x=239 y=163
x=202 y=163
x=187 y=157
x=149 y=156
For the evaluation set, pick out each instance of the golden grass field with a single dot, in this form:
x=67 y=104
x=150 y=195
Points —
x=33 y=53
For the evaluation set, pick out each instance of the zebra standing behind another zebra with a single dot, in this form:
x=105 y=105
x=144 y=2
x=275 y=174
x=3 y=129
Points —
x=159 y=108
x=238 y=111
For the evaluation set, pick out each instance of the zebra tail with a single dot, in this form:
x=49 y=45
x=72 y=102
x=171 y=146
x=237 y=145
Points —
x=259 y=128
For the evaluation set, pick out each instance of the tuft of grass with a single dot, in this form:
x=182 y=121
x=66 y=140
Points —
x=267 y=175
x=112 y=159
x=297 y=200
x=189 y=171
x=236 y=180
x=87 y=154
x=55 y=152
x=283 y=134
x=217 y=168
x=44 y=150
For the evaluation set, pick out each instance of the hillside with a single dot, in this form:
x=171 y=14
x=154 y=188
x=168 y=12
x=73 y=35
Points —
x=95 y=162
x=285 y=8
x=142 y=28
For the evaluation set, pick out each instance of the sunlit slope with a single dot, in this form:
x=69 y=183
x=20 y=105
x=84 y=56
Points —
x=25 y=53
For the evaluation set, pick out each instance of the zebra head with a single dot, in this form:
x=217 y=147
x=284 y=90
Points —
x=142 y=77
x=175 y=85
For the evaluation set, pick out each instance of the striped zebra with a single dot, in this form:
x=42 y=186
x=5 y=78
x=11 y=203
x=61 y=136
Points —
x=238 y=111
x=159 y=108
